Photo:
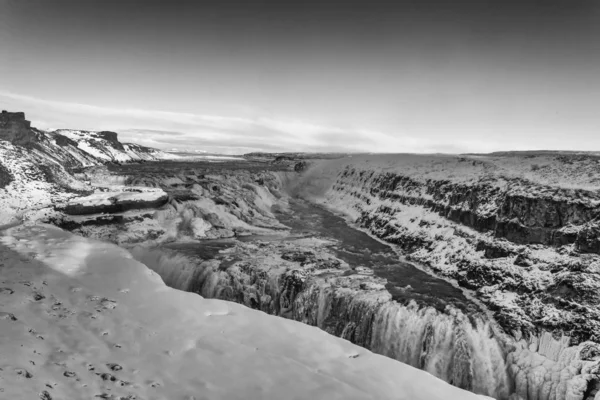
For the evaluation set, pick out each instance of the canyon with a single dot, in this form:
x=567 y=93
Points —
x=479 y=269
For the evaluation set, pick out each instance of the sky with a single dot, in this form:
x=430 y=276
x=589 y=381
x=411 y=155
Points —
x=367 y=76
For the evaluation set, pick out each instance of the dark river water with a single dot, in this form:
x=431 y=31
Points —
x=405 y=281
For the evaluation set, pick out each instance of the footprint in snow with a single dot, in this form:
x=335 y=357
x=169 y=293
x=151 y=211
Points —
x=6 y=290
x=105 y=303
x=7 y=315
x=23 y=372
x=114 y=367
x=107 y=377
x=107 y=396
x=45 y=395
x=34 y=333
x=37 y=296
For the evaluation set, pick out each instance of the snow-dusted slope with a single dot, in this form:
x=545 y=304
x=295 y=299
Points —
x=36 y=181
x=104 y=146
x=82 y=319
x=35 y=165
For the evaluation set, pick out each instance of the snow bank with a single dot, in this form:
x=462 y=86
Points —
x=81 y=318
x=30 y=189
x=126 y=198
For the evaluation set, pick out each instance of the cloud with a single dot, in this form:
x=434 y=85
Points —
x=213 y=133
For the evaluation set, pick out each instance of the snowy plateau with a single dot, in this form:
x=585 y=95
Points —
x=131 y=273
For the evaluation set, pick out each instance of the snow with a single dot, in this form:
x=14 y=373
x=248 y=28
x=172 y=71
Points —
x=103 y=150
x=81 y=318
x=28 y=191
x=124 y=194
x=563 y=170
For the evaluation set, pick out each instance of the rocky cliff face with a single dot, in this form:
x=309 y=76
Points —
x=15 y=128
x=517 y=211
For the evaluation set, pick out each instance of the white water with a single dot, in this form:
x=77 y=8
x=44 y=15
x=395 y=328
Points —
x=446 y=345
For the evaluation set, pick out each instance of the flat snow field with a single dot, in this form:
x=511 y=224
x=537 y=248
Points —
x=80 y=319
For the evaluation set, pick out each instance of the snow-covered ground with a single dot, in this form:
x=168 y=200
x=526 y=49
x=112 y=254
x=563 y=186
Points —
x=82 y=319
x=100 y=146
x=30 y=189
x=118 y=197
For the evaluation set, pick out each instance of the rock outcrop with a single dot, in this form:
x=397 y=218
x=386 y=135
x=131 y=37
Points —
x=15 y=128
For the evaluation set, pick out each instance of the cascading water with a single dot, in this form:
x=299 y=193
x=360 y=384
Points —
x=446 y=344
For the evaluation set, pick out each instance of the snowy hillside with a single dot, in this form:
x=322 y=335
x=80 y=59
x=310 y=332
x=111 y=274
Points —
x=36 y=166
x=105 y=146
x=82 y=319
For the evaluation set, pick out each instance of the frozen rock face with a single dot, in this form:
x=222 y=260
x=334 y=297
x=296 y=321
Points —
x=546 y=368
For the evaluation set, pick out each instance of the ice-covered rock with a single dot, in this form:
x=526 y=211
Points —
x=114 y=201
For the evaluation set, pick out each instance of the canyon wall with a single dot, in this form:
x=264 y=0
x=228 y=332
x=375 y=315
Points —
x=517 y=243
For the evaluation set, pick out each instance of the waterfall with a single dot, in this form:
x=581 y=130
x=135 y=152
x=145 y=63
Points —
x=448 y=345
x=175 y=270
